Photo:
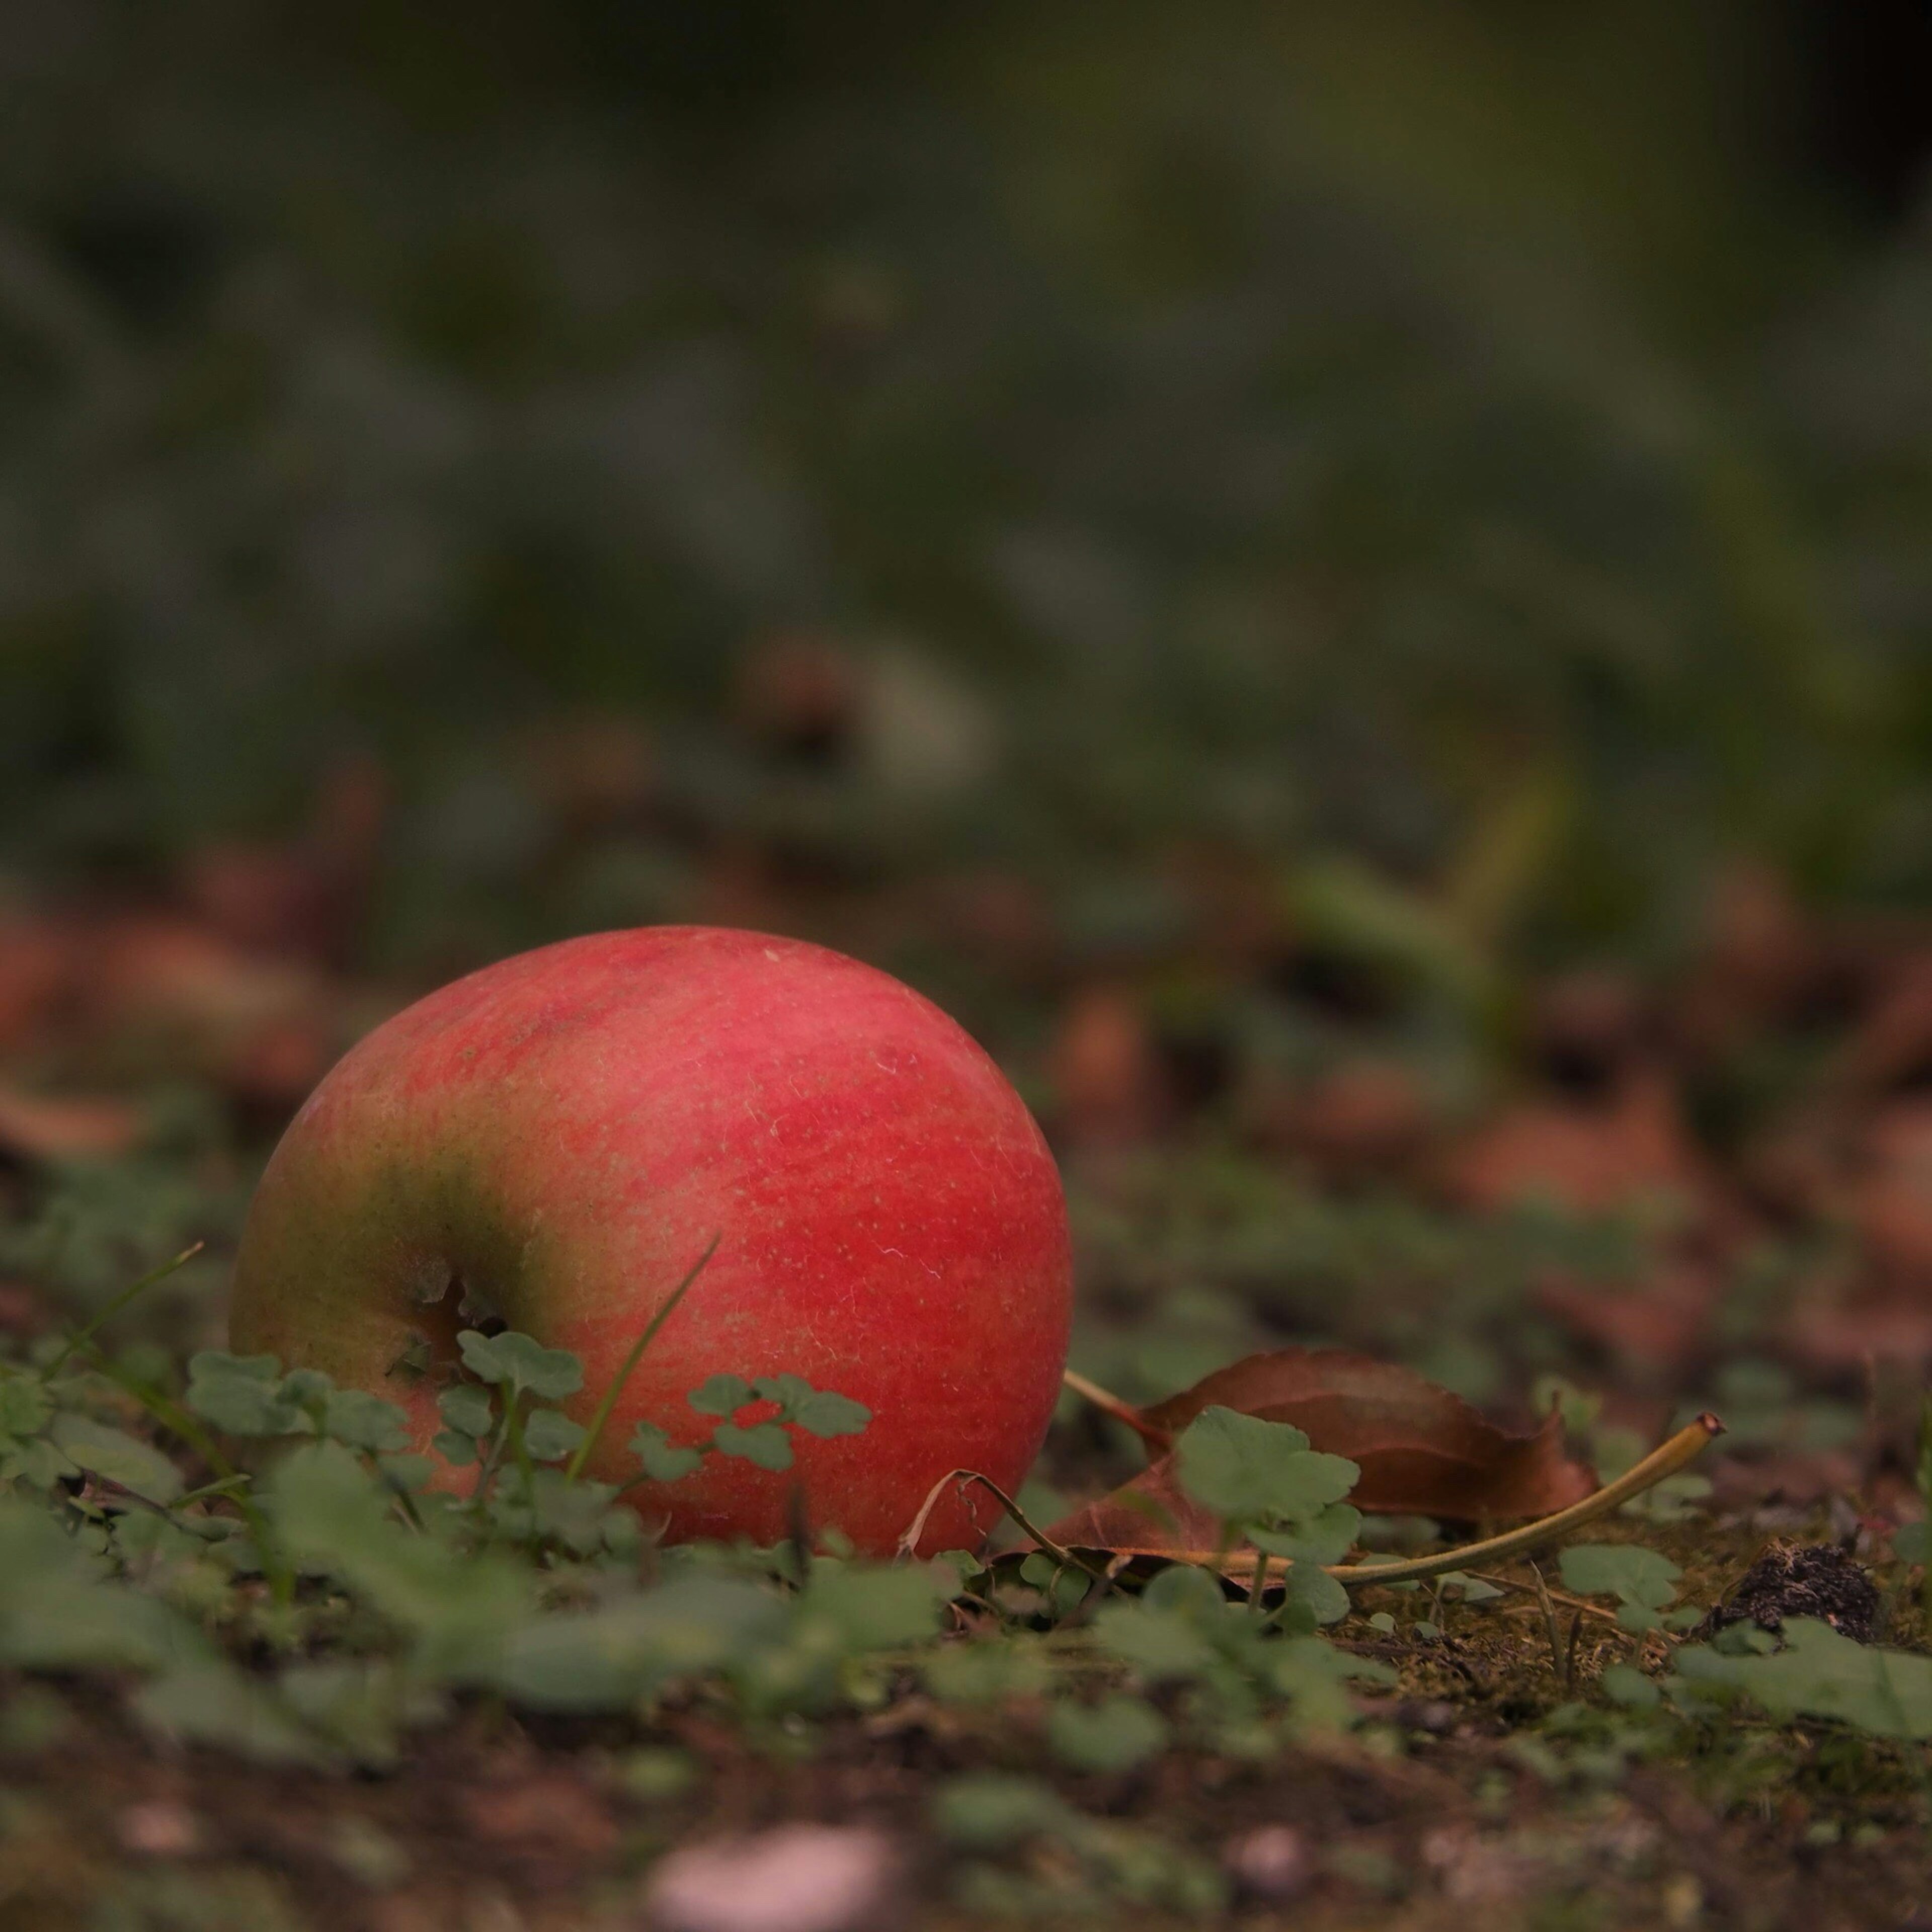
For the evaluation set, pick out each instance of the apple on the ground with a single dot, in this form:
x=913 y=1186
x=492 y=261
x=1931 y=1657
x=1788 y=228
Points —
x=560 y=1137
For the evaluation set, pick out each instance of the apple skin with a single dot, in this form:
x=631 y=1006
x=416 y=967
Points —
x=567 y=1130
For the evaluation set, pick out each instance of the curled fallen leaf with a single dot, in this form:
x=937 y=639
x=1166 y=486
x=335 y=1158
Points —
x=1421 y=1450
x=1141 y=1520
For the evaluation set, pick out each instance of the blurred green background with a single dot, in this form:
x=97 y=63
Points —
x=1469 y=464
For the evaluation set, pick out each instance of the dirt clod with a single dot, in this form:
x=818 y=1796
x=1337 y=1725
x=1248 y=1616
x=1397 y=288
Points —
x=1811 y=1579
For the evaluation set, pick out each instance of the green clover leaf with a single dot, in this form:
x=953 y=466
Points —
x=467 y=1409
x=1116 y=1734
x=1249 y=1470
x=764 y=1443
x=521 y=1361
x=721 y=1395
x=549 y=1435
x=364 y=1421
x=822 y=1413
x=664 y=1461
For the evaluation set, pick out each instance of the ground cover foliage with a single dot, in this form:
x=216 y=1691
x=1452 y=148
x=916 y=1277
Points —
x=1344 y=586
x=254 y=1667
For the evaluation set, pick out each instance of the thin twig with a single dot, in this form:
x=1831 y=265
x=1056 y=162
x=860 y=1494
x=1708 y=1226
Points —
x=1562 y=1597
x=909 y=1542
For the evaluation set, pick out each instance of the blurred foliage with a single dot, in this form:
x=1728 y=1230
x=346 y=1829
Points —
x=1463 y=439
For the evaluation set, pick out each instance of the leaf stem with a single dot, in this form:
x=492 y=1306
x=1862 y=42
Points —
x=1110 y=1404
x=1682 y=1449
x=574 y=1468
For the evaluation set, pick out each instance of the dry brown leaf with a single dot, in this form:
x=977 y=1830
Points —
x=1666 y=1324
x=40 y=1127
x=1590 y=1157
x=1365 y=1116
x=1422 y=1451
x=36 y=957
x=159 y=991
x=1149 y=1517
x=1106 y=1073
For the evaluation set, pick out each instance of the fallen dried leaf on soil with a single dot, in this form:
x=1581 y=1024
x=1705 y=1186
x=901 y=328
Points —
x=1591 y=1156
x=1422 y=1451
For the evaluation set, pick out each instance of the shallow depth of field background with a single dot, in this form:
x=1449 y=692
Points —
x=704 y=462
x=1348 y=585
x=1235 y=547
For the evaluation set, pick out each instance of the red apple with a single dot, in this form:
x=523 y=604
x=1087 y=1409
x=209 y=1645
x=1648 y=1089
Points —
x=565 y=1131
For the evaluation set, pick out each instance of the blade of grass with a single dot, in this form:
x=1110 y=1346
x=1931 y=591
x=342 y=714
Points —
x=82 y=1337
x=574 y=1468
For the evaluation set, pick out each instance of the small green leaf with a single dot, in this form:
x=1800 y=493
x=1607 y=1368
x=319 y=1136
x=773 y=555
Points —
x=303 y=1386
x=1908 y=1542
x=1325 y=1538
x=468 y=1408
x=522 y=1362
x=664 y=1461
x=212 y=1702
x=1381 y=1621
x=1160 y=1646
x=824 y=1414
x=986 y=1671
x=1629 y=1687
x=118 y=1457
x=242 y=1395
x=549 y=1435
x=870 y=1605
x=25 y=1407
x=1313 y=1588
x=1645 y=1579
x=989 y=1811
x=721 y=1395
x=1819 y=1673
x=1116 y=1734
x=1473 y=1589
x=788 y=1391
x=406 y=1474
x=764 y=1443
x=364 y=1421
x=1249 y=1470
x=454 y=1447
